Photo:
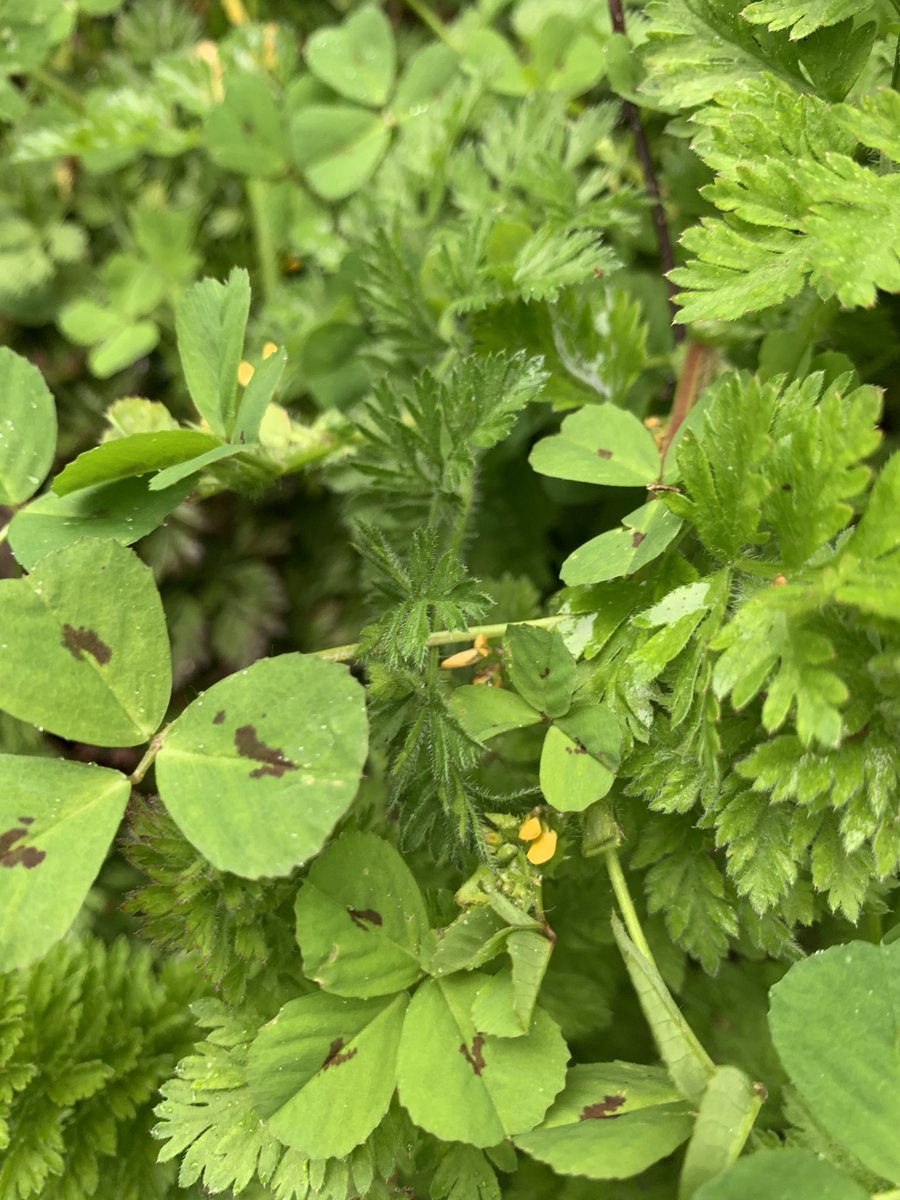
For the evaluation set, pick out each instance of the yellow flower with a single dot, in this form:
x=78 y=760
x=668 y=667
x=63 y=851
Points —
x=245 y=373
x=542 y=848
x=269 y=349
x=531 y=829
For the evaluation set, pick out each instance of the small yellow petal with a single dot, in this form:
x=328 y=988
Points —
x=245 y=373
x=543 y=849
x=465 y=658
x=269 y=349
x=235 y=12
x=531 y=829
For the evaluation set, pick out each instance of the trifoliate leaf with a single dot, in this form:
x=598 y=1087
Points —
x=599 y=444
x=580 y=757
x=356 y=58
x=337 y=147
x=505 y=1004
x=541 y=668
x=643 y=535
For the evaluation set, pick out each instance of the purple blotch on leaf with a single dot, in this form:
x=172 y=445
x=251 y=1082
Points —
x=83 y=641
x=604 y=1110
x=636 y=538
x=605 y=453
x=219 y=717
x=28 y=856
x=359 y=917
x=272 y=758
x=474 y=1057
x=334 y=1058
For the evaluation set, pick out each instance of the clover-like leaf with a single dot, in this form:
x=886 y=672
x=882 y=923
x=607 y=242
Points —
x=322 y=1073
x=27 y=428
x=612 y=1121
x=57 y=820
x=257 y=770
x=361 y=919
x=357 y=58
x=84 y=651
x=599 y=444
x=462 y=1085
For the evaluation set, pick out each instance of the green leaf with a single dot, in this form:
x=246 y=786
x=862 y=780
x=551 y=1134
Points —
x=484 y=712
x=84 y=650
x=210 y=320
x=322 y=1073
x=337 y=147
x=139 y=454
x=174 y=475
x=850 y=1084
x=27 y=430
x=689 y=1066
x=802 y=17
x=782 y=1175
x=463 y=1086
x=727 y=1112
x=426 y=76
x=720 y=466
x=599 y=444
x=505 y=1004
x=57 y=820
x=474 y=938
x=125 y=347
x=878 y=531
x=361 y=919
x=244 y=133
x=357 y=58
x=612 y=1121
x=124 y=511
x=464 y=1173
x=257 y=395
x=258 y=769
x=580 y=758
x=541 y=668
x=643 y=535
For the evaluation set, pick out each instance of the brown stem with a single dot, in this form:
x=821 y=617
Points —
x=651 y=183
x=695 y=373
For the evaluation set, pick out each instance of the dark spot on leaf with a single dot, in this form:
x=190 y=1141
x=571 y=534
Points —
x=636 y=538
x=474 y=1057
x=28 y=856
x=577 y=748
x=544 y=673
x=273 y=760
x=219 y=717
x=83 y=641
x=359 y=917
x=604 y=453
x=26 y=820
x=604 y=1110
x=787 y=487
x=334 y=1058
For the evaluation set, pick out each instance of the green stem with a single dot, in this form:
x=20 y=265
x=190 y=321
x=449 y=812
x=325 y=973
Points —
x=4 y=532
x=434 y=23
x=895 y=74
x=447 y=637
x=52 y=84
x=262 y=230
x=149 y=758
x=626 y=904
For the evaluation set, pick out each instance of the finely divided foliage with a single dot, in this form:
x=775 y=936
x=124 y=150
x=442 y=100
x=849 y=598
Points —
x=614 y=530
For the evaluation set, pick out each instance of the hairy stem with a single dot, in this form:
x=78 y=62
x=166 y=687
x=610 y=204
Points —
x=447 y=637
x=651 y=183
x=156 y=744
x=265 y=246
x=625 y=902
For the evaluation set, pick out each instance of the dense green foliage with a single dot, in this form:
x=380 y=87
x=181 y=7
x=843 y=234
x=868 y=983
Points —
x=450 y=652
